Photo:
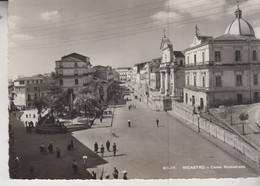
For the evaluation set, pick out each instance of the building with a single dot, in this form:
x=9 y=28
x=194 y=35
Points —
x=29 y=89
x=123 y=73
x=223 y=70
x=74 y=71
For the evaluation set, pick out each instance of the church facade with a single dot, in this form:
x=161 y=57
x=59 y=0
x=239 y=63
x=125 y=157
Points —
x=223 y=70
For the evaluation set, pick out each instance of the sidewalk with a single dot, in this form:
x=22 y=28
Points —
x=225 y=147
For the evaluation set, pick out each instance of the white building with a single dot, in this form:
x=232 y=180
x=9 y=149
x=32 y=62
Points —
x=223 y=70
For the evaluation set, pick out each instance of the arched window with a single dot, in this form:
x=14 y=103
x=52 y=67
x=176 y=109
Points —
x=76 y=72
x=75 y=64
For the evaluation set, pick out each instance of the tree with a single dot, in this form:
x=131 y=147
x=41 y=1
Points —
x=243 y=117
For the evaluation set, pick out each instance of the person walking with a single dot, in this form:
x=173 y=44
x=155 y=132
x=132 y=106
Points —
x=93 y=175
x=101 y=118
x=102 y=149
x=72 y=144
x=74 y=166
x=124 y=175
x=42 y=147
x=114 y=149
x=129 y=123
x=57 y=152
x=157 y=122
x=85 y=159
x=96 y=147
x=115 y=173
x=108 y=145
x=50 y=147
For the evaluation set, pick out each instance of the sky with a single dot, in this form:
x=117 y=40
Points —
x=117 y=33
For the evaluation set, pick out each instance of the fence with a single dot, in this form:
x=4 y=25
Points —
x=216 y=131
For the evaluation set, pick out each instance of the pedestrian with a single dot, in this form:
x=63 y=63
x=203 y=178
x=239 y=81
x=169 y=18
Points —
x=42 y=147
x=69 y=146
x=85 y=158
x=96 y=147
x=114 y=149
x=72 y=144
x=93 y=175
x=101 y=119
x=124 y=175
x=115 y=173
x=17 y=162
x=50 y=147
x=157 y=122
x=108 y=145
x=74 y=166
x=107 y=176
x=14 y=114
x=29 y=115
x=102 y=150
x=129 y=123
x=58 y=152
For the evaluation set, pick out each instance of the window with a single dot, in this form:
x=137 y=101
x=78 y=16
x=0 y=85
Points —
x=203 y=81
x=237 y=55
x=34 y=88
x=37 y=81
x=61 y=66
x=21 y=82
x=61 y=81
x=186 y=97
x=76 y=81
x=203 y=56
x=41 y=81
x=188 y=80
x=239 y=98
x=194 y=81
x=28 y=82
x=61 y=73
x=75 y=72
x=195 y=59
x=254 y=55
x=239 y=80
x=181 y=62
x=218 y=81
x=217 y=56
x=188 y=59
x=35 y=96
x=75 y=64
x=255 y=79
x=29 y=97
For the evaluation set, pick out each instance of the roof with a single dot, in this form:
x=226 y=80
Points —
x=165 y=40
x=178 y=54
x=77 y=56
x=69 y=59
x=232 y=37
x=240 y=26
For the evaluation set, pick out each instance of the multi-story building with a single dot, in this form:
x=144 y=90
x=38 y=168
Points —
x=123 y=72
x=74 y=71
x=29 y=89
x=223 y=70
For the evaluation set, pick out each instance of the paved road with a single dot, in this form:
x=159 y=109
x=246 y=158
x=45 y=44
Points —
x=147 y=151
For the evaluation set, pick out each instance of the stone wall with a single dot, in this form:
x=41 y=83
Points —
x=225 y=136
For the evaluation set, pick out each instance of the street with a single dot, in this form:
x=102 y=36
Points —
x=168 y=151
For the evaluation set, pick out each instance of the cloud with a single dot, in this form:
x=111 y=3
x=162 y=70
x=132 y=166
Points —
x=12 y=21
x=187 y=11
x=22 y=37
x=50 y=15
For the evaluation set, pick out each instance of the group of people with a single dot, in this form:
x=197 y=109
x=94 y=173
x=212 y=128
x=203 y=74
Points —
x=102 y=148
x=107 y=176
x=50 y=148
